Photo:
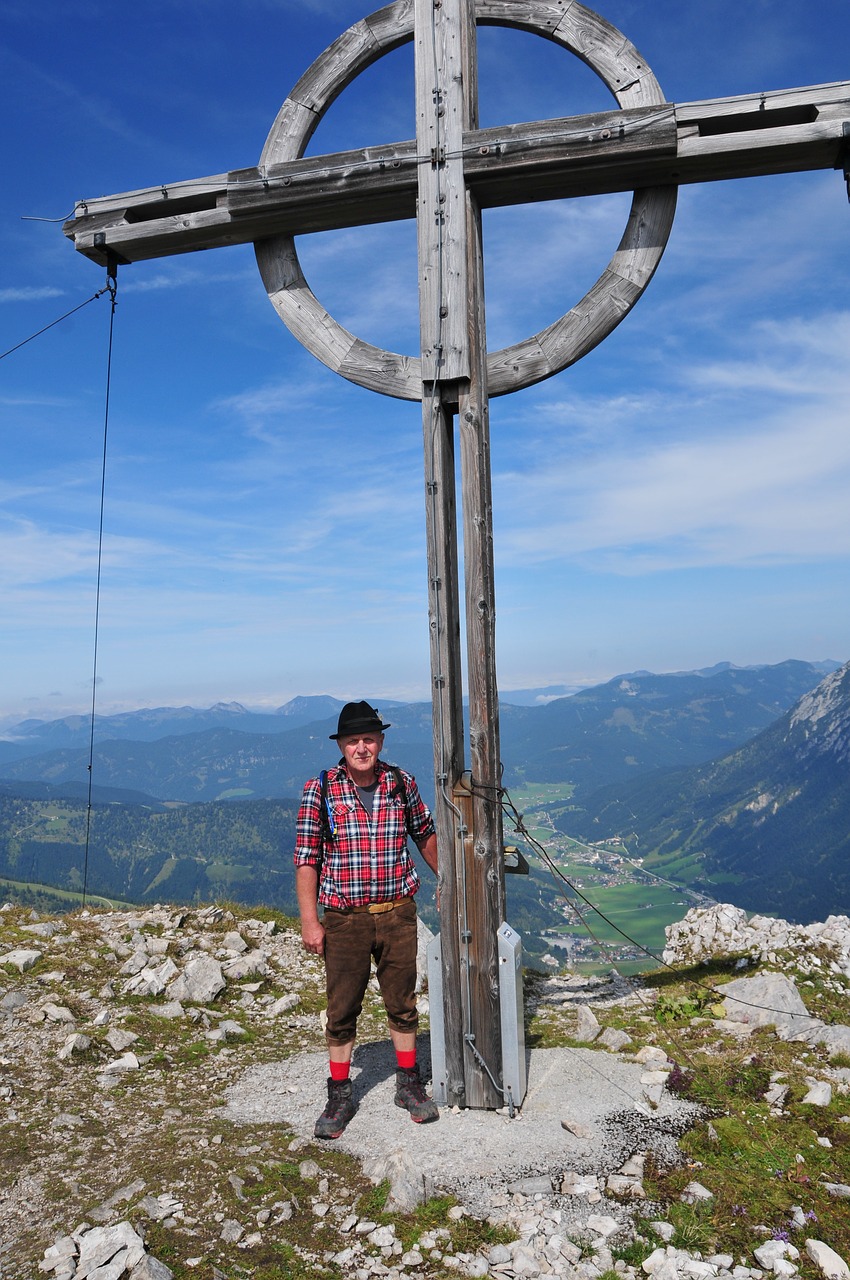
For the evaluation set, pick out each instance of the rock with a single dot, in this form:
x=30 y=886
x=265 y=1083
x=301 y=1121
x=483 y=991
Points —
x=21 y=959
x=234 y=941
x=819 y=1095
x=536 y=1186
x=230 y=1029
x=839 y=1190
x=653 y=1058
x=577 y=1129
x=577 y=1184
x=382 y=1236
x=58 y=1254
x=766 y=999
x=135 y=964
x=127 y=1062
x=199 y=983
x=75 y=1043
x=150 y=1268
x=284 y=1005
x=603 y=1224
x=101 y=1245
x=614 y=1038
x=407 y=1186
x=769 y=1254
x=12 y=1001
x=588 y=1027
x=120 y=1040
x=630 y=1188
x=152 y=981
x=835 y=1039
x=231 y=1231
x=57 y=1013
x=46 y=929
x=695 y=1191
x=830 y=1264
x=171 y=1009
x=245 y=966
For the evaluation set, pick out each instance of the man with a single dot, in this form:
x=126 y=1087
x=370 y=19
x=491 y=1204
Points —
x=351 y=857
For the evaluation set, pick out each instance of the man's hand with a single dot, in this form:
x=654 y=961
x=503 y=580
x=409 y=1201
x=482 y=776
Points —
x=313 y=936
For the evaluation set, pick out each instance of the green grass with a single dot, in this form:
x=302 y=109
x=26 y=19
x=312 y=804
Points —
x=57 y=901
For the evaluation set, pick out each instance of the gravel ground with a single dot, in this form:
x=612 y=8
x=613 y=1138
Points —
x=473 y=1153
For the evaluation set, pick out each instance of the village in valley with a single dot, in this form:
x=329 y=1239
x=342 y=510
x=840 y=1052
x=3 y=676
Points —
x=605 y=909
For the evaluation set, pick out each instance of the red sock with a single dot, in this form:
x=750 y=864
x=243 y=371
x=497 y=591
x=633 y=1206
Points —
x=340 y=1070
x=406 y=1058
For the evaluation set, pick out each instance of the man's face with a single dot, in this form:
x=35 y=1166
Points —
x=360 y=752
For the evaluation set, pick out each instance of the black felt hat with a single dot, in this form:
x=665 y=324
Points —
x=358 y=717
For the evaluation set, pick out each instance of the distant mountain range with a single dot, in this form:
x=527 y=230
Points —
x=615 y=731
x=767 y=825
x=759 y=815
x=31 y=737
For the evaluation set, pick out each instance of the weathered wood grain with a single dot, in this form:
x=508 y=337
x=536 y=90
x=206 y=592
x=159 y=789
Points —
x=441 y=225
x=447 y=713
x=508 y=165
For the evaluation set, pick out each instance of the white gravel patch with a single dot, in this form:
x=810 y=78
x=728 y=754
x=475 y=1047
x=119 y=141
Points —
x=597 y=1092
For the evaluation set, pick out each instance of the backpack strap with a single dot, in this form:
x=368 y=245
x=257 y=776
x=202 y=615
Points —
x=326 y=816
x=400 y=789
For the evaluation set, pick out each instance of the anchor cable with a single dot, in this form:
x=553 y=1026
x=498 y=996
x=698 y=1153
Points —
x=53 y=323
x=111 y=288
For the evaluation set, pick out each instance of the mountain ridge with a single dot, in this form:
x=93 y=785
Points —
x=771 y=817
x=625 y=726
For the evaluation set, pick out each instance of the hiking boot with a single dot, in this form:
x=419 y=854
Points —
x=410 y=1094
x=338 y=1112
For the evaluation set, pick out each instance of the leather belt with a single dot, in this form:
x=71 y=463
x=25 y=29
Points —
x=373 y=908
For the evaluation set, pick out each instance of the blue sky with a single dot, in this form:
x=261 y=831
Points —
x=677 y=499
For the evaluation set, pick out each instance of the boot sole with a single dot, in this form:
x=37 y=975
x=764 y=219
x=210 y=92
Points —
x=417 y=1119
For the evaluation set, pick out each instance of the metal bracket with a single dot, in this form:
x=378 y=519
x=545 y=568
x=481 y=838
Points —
x=515 y=863
x=843 y=161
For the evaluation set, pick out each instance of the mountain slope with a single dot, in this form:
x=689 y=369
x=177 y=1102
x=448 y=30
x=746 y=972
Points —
x=770 y=822
x=34 y=737
x=192 y=853
x=620 y=729
x=641 y=722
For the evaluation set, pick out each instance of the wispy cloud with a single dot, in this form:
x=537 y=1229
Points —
x=711 y=489
x=30 y=294
x=181 y=278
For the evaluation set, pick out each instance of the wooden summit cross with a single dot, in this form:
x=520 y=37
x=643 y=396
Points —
x=444 y=178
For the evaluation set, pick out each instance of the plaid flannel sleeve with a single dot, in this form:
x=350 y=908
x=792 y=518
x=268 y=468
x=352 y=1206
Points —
x=308 y=827
x=420 y=824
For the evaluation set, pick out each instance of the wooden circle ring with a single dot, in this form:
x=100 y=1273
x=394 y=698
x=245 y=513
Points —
x=614 y=59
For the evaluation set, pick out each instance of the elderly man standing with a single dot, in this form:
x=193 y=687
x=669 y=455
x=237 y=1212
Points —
x=351 y=857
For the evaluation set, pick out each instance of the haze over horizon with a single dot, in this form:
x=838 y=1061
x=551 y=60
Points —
x=676 y=499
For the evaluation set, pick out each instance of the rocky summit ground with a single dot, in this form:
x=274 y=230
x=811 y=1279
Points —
x=161 y=1071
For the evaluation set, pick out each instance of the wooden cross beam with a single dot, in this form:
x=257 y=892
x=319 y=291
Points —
x=783 y=131
x=443 y=178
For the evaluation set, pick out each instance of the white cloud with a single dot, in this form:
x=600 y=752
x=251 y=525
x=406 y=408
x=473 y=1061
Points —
x=707 y=488
x=30 y=294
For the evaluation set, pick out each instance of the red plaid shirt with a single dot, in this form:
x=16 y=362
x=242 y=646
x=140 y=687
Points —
x=367 y=860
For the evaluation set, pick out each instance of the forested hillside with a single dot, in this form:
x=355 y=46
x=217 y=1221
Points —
x=190 y=853
x=767 y=826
